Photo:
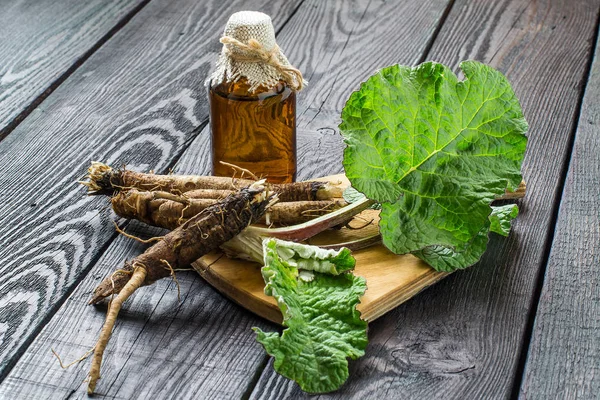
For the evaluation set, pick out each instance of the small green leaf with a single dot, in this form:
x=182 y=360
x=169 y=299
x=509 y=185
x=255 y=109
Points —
x=501 y=218
x=445 y=259
x=352 y=195
x=323 y=326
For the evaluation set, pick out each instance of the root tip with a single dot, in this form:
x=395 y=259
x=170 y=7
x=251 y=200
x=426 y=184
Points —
x=96 y=173
x=97 y=298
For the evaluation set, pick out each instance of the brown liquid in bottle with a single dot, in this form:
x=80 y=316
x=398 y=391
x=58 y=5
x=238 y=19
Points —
x=256 y=131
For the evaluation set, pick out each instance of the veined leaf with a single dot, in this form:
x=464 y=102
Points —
x=501 y=218
x=447 y=260
x=319 y=311
x=435 y=151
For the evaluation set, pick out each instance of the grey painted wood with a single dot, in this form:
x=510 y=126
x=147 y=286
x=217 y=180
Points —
x=564 y=356
x=41 y=41
x=230 y=359
x=201 y=347
x=462 y=338
x=138 y=100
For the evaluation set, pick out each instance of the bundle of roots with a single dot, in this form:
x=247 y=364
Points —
x=202 y=213
x=197 y=236
x=106 y=180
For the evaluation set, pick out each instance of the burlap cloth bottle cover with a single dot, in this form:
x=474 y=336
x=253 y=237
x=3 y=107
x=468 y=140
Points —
x=250 y=51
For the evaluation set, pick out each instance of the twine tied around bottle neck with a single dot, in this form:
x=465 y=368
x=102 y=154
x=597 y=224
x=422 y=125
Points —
x=254 y=52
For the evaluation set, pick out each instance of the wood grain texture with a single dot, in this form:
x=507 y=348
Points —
x=139 y=101
x=40 y=41
x=201 y=347
x=564 y=355
x=463 y=339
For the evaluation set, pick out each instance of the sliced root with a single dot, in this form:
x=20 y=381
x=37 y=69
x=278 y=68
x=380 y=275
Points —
x=137 y=279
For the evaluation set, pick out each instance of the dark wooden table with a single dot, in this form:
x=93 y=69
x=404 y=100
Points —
x=122 y=82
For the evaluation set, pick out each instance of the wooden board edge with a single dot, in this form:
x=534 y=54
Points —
x=271 y=312
x=251 y=303
x=370 y=314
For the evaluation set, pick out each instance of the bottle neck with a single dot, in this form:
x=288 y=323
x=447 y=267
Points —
x=241 y=89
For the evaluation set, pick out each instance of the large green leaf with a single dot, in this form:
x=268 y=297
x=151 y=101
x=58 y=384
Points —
x=319 y=311
x=435 y=151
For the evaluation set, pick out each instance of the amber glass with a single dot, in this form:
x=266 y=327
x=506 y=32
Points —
x=254 y=131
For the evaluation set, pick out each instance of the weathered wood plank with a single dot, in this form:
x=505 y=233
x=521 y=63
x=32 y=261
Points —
x=564 y=355
x=160 y=348
x=134 y=351
x=462 y=339
x=41 y=42
x=139 y=99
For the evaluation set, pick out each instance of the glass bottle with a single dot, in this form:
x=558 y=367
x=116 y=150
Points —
x=254 y=130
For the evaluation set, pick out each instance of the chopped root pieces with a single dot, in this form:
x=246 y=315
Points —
x=137 y=279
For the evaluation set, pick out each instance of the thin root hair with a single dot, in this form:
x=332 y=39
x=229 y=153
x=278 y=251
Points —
x=127 y=235
x=80 y=359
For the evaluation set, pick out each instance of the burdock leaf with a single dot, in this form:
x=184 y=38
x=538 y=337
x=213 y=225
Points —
x=447 y=260
x=323 y=326
x=435 y=151
x=501 y=218
x=352 y=195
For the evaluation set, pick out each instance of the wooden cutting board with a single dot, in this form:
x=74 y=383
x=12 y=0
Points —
x=391 y=279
